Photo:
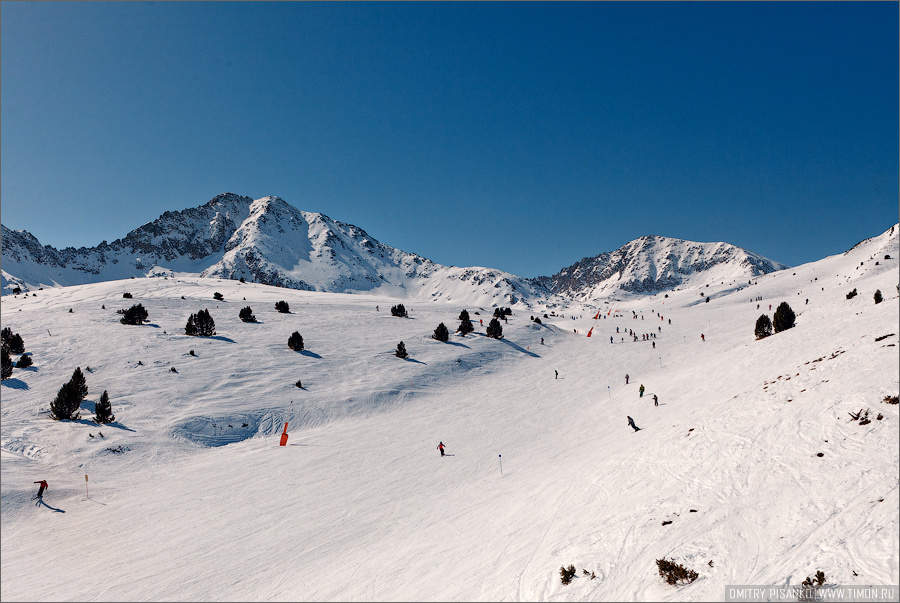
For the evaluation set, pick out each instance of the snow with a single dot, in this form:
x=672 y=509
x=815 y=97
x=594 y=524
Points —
x=360 y=505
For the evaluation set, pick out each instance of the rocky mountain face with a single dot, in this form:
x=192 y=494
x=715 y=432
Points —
x=652 y=263
x=266 y=241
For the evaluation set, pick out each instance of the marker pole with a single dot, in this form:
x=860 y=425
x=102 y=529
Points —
x=500 y=456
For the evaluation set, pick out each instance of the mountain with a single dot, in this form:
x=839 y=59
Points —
x=651 y=264
x=266 y=241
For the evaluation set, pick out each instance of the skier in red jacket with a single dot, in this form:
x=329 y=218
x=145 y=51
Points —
x=43 y=487
x=441 y=448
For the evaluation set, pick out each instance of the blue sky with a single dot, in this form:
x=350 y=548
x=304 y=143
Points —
x=519 y=136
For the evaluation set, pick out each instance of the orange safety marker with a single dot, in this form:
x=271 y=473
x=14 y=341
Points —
x=284 y=435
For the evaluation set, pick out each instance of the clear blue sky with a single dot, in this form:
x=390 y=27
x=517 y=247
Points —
x=519 y=136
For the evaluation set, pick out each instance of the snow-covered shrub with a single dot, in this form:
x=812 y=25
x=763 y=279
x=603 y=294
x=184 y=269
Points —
x=283 y=307
x=103 y=410
x=784 y=317
x=135 y=315
x=218 y=296
x=24 y=361
x=763 y=327
x=295 y=341
x=852 y=294
x=675 y=573
x=401 y=350
x=441 y=333
x=566 y=574
x=878 y=298
x=810 y=587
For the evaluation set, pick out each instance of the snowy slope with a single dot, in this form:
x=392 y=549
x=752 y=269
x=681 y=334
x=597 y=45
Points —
x=652 y=263
x=201 y=504
x=266 y=241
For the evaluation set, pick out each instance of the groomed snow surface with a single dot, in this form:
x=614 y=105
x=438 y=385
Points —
x=191 y=498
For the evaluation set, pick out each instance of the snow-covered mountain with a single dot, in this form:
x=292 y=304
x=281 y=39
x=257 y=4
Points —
x=651 y=264
x=266 y=241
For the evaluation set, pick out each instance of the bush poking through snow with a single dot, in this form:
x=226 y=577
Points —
x=464 y=315
x=218 y=296
x=401 y=351
x=763 y=327
x=135 y=315
x=784 y=318
x=246 y=315
x=566 y=574
x=127 y=295
x=441 y=333
x=24 y=362
x=103 y=410
x=878 y=298
x=810 y=587
x=675 y=573
x=465 y=327
x=852 y=294
x=399 y=310
x=891 y=399
x=283 y=307
x=299 y=384
x=295 y=342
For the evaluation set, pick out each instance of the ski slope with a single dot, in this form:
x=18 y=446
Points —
x=202 y=504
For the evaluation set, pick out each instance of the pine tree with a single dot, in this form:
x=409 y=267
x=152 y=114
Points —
x=24 y=361
x=103 y=410
x=494 y=329
x=441 y=333
x=135 y=315
x=465 y=327
x=763 y=327
x=295 y=341
x=399 y=310
x=401 y=351
x=784 y=318
x=80 y=383
x=66 y=404
x=12 y=341
x=7 y=366
x=283 y=307
x=464 y=315
x=246 y=315
x=200 y=324
x=878 y=298
x=218 y=296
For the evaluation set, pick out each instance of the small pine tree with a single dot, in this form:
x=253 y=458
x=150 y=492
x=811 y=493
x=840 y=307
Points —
x=200 y=324
x=218 y=296
x=295 y=341
x=103 y=410
x=878 y=298
x=66 y=404
x=13 y=342
x=127 y=295
x=464 y=315
x=80 y=383
x=24 y=361
x=763 y=327
x=283 y=307
x=784 y=318
x=494 y=329
x=465 y=327
x=399 y=310
x=135 y=315
x=852 y=294
x=246 y=315
x=191 y=327
x=401 y=350
x=7 y=367
x=441 y=333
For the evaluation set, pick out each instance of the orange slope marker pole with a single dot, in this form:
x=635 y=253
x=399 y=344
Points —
x=284 y=435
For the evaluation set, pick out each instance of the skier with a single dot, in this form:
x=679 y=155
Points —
x=542 y=341
x=702 y=337
x=626 y=379
x=441 y=448
x=655 y=400
x=642 y=391
x=557 y=374
x=610 y=339
x=43 y=487
x=631 y=424
x=654 y=345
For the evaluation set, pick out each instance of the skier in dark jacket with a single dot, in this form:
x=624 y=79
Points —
x=43 y=487
x=441 y=448
x=655 y=400
x=631 y=424
x=626 y=379
x=642 y=391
